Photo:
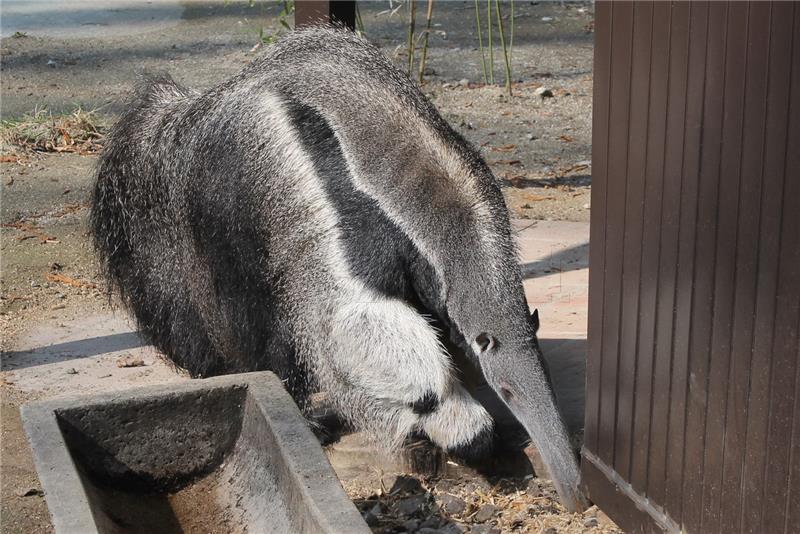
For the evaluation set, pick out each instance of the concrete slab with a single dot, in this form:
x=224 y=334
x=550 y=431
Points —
x=80 y=356
x=555 y=264
x=229 y=454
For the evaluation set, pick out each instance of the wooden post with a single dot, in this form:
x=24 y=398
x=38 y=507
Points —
x=313 y=12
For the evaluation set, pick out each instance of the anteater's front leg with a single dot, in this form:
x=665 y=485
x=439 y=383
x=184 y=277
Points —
x=387 y=371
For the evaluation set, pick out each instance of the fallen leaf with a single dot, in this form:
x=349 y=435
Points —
x=566 y=138
x=507 y=162
x=11 y=158
x=574 y=168
x=504 y=148
x=536 y=198
x=68 y=280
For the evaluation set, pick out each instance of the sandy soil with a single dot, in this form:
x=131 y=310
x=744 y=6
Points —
x=538 y=147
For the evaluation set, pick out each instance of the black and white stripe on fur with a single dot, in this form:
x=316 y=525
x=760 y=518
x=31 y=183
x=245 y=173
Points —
x=315 y=216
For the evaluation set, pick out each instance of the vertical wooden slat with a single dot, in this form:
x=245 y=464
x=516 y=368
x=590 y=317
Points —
x=744 y=358
x=764 y=358
x=792 y=497
x=652 y=248
x=783 y=391
x=615 y=223
x=676 y=264
x=668 y=268
x=690 y=422
x=727 y=226
x=600 y=122
x=710 y=183
x=634 y=206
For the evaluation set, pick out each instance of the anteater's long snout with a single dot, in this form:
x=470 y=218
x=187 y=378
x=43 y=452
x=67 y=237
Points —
x=522 y=385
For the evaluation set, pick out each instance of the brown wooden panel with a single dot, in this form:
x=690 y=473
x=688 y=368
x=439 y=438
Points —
x=312 y=12
x=615 y=221
x=790 y=173
x=784 y=390
x=600 y=122
x=743 y=422
x=771 y=200
x=651 y=249
x=688 y=421
x=632 y=246
x=693 y=378
x=705 y=300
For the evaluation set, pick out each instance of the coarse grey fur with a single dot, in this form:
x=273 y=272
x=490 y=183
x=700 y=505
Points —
x=315 y=216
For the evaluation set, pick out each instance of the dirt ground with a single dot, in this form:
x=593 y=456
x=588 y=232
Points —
x=539 y=147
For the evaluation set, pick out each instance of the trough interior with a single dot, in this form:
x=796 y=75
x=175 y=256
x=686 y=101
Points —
x=194 y=461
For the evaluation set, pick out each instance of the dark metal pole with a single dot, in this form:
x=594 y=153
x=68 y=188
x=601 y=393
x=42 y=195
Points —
x=314 y=12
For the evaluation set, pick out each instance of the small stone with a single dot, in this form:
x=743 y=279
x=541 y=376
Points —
x=531 y=137
x=587 y=206
x=72 y=371
x=484 y=529
x=401 y=484
x=543 y=92
x=129 y=360
x=370 y=519
x=447 y=85
x=411 y=506
x=412 y=525
x=485 y=513
x=431 y=522
x=547 y=19
x=52 y=63
x=590 y=522
x=463 y=82
x=429 y=71
x=452 y=504
x=451 y=528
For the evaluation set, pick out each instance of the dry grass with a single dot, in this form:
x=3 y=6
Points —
x=80 y=132
x=468 y=504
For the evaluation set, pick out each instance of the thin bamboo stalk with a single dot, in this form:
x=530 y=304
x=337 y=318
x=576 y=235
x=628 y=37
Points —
x=491 y=48
x=425 y=41
x=411 y=21
x=480 y=41
x=503 y=44
x=511 y=38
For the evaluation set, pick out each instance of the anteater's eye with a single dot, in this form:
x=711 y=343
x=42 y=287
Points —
x=484 y=342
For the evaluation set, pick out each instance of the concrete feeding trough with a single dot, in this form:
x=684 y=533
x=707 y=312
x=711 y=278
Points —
x=225 y=454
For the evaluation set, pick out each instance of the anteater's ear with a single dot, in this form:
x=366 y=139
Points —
x=535 y=320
